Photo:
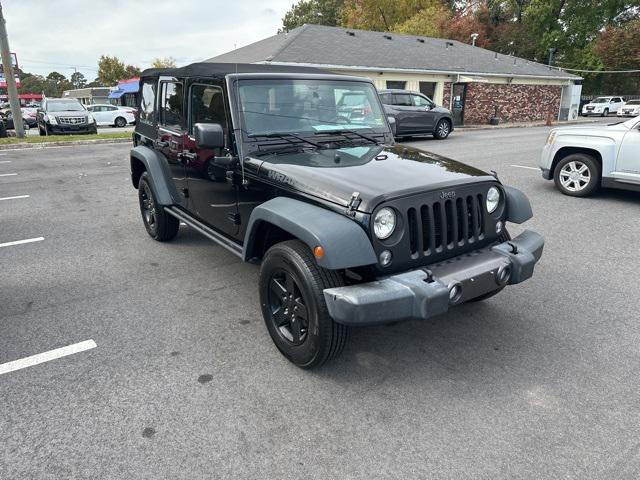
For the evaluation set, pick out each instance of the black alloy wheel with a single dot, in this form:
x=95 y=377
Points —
x=293 y=305
x=159 y=224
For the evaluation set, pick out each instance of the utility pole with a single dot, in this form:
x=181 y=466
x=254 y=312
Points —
x=7 y=68
x=551 y=52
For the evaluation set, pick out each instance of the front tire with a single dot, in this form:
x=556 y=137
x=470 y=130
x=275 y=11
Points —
x=120 y=122
x=443 y=129
x=159 y=224
x=293 y=305
x=605 y=113
x=577 y=175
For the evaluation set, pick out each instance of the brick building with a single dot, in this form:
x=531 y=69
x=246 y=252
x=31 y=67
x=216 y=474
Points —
x=473 y=82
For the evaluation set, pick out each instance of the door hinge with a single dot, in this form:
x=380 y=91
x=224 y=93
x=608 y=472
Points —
x=353 y=204
x=185 y=192
x=234 y=218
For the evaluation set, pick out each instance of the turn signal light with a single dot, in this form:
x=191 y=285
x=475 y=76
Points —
x=318 y=252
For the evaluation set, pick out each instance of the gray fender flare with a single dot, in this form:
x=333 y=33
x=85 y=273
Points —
x=345 y=243
x=160 y=176
x=518 y=206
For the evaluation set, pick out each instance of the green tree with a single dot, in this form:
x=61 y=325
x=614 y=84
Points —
x=57 y=84
x=381 y=15
x=319 y=12
x=112 y=69
x=78 y=80
x=429 y=22
x=618 y=48
x=164 y=62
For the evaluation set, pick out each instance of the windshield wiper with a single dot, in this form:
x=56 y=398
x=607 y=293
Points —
x=287 y=137
x=351 y=132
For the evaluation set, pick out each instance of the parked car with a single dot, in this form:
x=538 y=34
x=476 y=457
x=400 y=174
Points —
x=602 y=106
x=30 y=115
x=416 y=114
x=63 y=115
x=112 y=115
x=349 y=228
x=7 y=117
x=630 y=109
x=582 y=159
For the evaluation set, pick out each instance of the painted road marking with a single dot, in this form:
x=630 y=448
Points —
x=522 y=166
x=20 y=242
x=7 y=174
x=5 y=161
x=47 y=356
x=14 y=198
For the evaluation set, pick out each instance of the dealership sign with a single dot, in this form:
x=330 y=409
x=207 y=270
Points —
x=3 y=82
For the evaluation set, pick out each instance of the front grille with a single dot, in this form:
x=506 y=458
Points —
x=445 y=225
x=71 y=120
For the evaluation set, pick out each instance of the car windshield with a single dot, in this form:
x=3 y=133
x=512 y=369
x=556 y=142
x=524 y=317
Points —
x=64 y=107
x=600 y=100
x=308 y=106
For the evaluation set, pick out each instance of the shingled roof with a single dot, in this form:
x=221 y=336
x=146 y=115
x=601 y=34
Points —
x=334 y=47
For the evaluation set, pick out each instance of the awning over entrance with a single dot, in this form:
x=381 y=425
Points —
x=125 y=86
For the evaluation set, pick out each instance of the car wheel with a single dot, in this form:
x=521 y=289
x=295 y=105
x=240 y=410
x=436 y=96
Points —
x=41 y=131
x=503 y=237
x=605 y=113
x=577 y=175
x=120 y=122
x=159 y=224
x=215 y=173
x=293 y=305
x=443 y=128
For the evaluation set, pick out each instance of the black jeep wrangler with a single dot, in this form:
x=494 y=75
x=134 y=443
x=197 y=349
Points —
x=349 y=228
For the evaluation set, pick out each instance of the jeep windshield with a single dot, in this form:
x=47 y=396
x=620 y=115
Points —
x=308 y=107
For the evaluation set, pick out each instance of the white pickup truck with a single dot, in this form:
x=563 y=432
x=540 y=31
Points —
x=582 y=159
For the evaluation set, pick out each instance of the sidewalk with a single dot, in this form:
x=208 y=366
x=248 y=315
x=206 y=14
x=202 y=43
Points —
x=540 y=123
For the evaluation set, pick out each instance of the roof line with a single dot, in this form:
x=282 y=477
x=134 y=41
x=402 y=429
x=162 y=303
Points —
x=419 y=70
x=292 y=35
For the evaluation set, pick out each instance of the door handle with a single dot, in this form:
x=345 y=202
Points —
x=187 y=157
x=161 y=144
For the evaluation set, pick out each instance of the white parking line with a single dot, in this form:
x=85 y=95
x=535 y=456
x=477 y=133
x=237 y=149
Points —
x=47 y=356
x=5 y=161
x=7 y=174
x=14 y=198
x=522 y=166
x=20 y=242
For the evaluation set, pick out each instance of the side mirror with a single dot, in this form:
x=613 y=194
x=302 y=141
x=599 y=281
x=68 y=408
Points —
x=391 y=120
x=209 y=135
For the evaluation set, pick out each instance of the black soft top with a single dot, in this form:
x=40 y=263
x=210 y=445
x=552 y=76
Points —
x=220 y=70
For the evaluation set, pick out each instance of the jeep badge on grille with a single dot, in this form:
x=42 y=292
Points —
x=448 y=195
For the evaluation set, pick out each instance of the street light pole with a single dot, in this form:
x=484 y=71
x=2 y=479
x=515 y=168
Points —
x=12 y=89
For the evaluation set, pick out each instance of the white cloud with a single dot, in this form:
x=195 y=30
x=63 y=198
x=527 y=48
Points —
x=58 y=35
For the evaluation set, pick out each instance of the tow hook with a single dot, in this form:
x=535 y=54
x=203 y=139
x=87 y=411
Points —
x=514 y=247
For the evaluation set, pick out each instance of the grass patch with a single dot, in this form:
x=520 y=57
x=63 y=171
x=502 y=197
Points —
x=63 y=138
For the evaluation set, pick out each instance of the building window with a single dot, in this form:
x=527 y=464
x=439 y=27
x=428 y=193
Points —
x=396 y=84
x=147 y=102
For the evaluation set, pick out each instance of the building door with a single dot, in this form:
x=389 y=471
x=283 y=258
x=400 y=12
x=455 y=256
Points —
x=458 y=94
x=428 y=89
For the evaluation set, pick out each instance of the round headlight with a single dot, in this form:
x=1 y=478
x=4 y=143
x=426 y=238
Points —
x=493 y=199
x=384 y=223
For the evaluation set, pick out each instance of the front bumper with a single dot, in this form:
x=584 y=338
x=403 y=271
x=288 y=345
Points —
x=414 y=295
x=72 y=129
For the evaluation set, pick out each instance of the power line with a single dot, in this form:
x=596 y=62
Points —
x=596 y=71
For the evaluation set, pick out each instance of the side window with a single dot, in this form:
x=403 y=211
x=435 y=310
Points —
x=386 y=99
x=420 y=101
x=207 y=105
x=91 y=109
x=171 y=105
x=402 y=99
x=147 y=103
x=109 y=109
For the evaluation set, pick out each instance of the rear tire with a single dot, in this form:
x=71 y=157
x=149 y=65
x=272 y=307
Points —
x=577 y=175
x=443 y=129
x=605 y=113
x=120 y=122
x=293 y=305
x=159 y=224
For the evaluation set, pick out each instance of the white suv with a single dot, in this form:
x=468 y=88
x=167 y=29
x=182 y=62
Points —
x=630 y=109
x=581 y=159
x=602 y=106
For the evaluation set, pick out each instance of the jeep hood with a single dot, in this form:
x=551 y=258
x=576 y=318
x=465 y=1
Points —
x=377 y=173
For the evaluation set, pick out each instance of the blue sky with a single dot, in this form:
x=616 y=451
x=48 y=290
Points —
x=60 y=35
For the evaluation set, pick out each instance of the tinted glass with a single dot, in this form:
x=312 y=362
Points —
x=171 y=105
x=147 y=102
x=402 y=99
x=207 y=105
x=386 y=99
x=396 y=84
x=419 y=101
x=53 y=106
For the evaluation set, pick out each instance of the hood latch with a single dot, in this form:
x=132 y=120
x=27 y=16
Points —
x=353 y=204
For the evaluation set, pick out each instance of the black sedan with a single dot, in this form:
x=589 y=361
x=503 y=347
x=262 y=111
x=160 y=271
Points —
x=7 y=117
x=416 y=114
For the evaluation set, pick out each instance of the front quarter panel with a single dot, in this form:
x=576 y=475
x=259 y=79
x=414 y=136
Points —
x=604 y=144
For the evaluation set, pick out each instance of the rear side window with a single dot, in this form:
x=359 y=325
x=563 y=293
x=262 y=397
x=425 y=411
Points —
x=171 y=105
x=147 y=102
x=386 y=99
x=402 y=100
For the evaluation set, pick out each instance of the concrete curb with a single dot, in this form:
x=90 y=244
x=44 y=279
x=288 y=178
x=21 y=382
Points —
x=524 y=125
x=22 y=146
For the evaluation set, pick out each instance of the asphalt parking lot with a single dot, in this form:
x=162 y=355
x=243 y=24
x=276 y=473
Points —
x=176 y=377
